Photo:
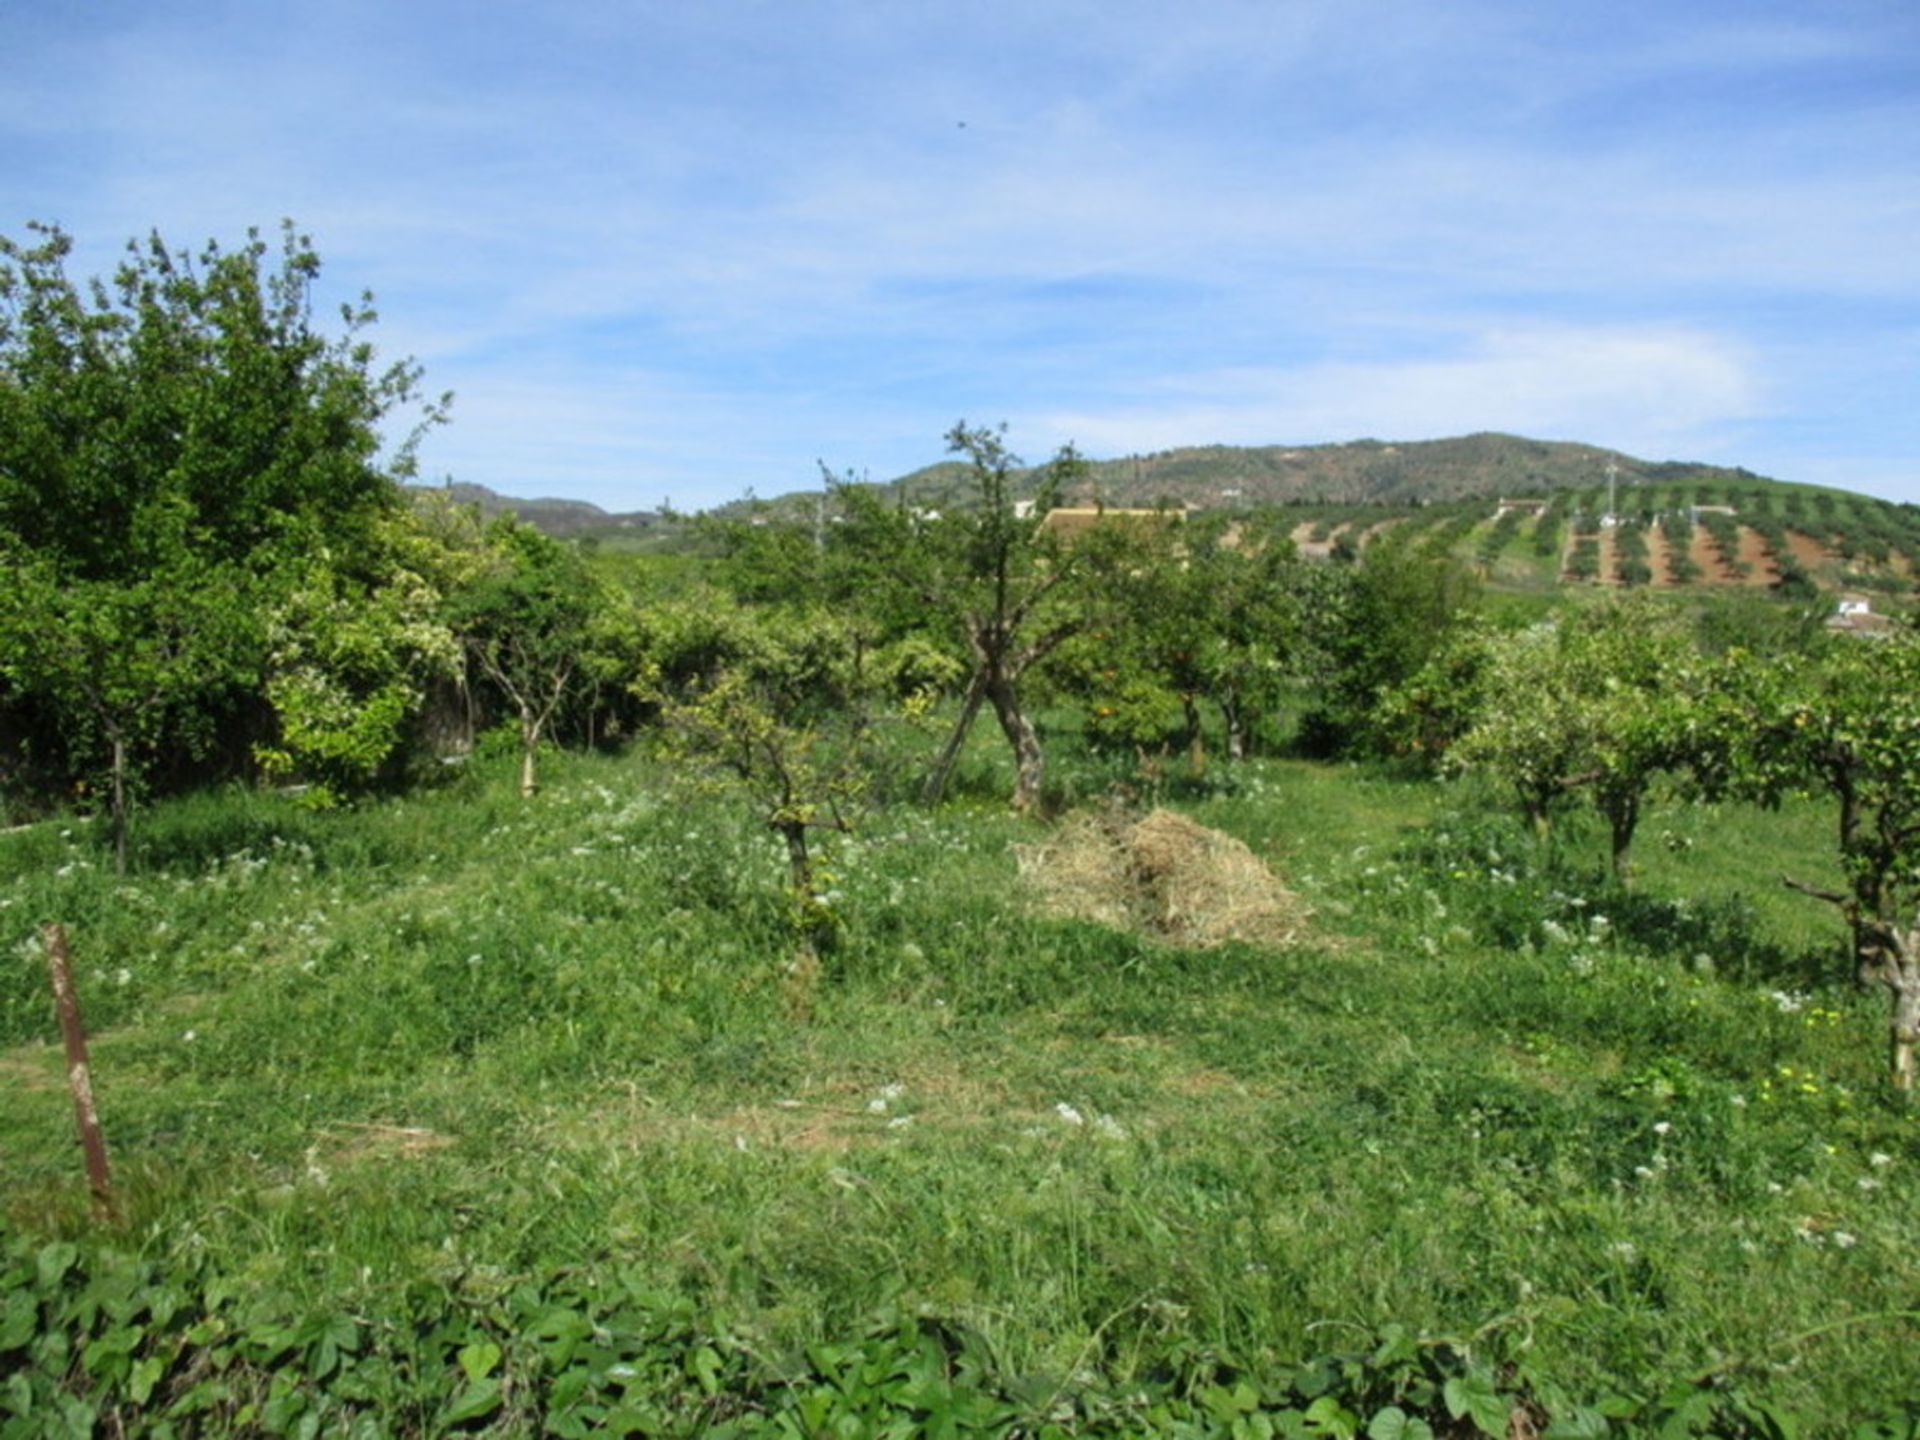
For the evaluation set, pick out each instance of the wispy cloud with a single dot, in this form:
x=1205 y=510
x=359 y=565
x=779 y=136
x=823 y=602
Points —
x=1649 y=390
x=691 y=248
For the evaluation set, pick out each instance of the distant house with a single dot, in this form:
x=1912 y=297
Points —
x=1855 y=615
x=1694 y=512
x=1067 y=521
x=1508 y=506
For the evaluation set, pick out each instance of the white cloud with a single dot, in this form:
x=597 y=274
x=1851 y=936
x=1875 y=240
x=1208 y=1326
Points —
x=1654 y=392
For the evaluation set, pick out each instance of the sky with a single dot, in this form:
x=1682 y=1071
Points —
x=684 y=251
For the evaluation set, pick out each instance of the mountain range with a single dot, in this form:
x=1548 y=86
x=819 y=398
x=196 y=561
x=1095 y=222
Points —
x=1234 y=477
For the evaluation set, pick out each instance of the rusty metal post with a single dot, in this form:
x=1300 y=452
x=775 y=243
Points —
x=85 y=1116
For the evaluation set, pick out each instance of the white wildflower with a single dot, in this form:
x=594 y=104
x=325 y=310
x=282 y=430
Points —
x=1108 y=1128
x=1844 y=1240
x=1879 y=1159
x=1662 y=1127
x=1068 y=1114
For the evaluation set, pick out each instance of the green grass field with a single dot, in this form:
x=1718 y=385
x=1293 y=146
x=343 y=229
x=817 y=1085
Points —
x=463 y=1045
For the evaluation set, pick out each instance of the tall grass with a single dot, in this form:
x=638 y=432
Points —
x=1639 y=1136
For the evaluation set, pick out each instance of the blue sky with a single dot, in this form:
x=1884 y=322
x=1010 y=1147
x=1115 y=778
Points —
x=684 y=250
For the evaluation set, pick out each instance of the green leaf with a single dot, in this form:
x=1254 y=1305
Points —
x=479 y=1359
x=705 y=1364
x=476 y=1402
x=54 y=1261
x=1388 y=1423
x=1472 y=1396
x=1333 y=1418
x=1579 y=1423
x=18 y=1320
x=146 y=1374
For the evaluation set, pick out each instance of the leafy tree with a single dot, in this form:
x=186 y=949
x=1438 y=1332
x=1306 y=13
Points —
x=1367 y=628
x=1847 y=723
x=782 y=718
x=1603 y=701
x=1206 y=612
x=171 y=440
x=351 y=657
x=527 y=623
x=993 y=573
x=127 y=666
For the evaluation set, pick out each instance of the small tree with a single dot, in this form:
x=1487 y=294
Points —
x=526 y=623
x=1847 y=723
x=1204 y=612
x=128 y=664
x=1604 y=701
x=1369 y=626
x=991 y=569
x=782 y=719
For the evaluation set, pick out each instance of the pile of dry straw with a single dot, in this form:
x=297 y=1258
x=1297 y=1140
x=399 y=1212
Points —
x=1161 y=874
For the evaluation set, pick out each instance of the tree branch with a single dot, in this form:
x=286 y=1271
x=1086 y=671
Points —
x=1832 y=897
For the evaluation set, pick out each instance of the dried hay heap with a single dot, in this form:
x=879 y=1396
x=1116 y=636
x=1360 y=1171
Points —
x=1163 y=875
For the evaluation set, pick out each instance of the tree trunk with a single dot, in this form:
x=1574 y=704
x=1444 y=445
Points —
x=1902 y=976
x=1196 y=737
x=1236 y=726
x=529 y=750
x=1539 y=817
x=799 y=858
x=1905 y=1031
x=1029 y=763
x=1623 y=817
x=802 y=977
x=943 y=767
x=119 y=803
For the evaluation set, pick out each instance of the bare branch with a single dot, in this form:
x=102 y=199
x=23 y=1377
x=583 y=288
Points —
x=1832 y=897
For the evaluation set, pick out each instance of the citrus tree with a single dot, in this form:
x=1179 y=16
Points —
x=777 y=713
x=1602 y=701
x=527 y=622
x=173 y=439
x=1845 y=723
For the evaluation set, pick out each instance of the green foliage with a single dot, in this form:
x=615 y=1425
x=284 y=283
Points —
x=96 y=1339
x=348 y=668
x=1208 y=613
x=1630 y=550
x=1369 y=629
x=1845 y=721
x=1602 y=701
x=1677 y=530
x=529 y=621
x=172 y=441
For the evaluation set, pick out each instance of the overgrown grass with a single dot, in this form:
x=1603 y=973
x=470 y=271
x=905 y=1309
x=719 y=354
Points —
x=1626 y=1139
